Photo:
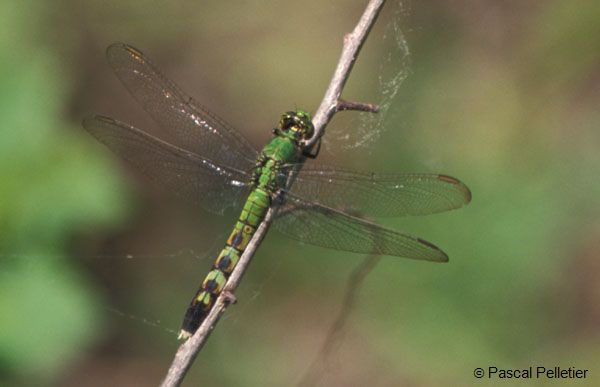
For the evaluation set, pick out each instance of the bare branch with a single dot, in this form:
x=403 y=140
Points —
x=353 y=42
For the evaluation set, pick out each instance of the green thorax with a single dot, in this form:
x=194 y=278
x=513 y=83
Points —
x=294 y=128
x=279 y=151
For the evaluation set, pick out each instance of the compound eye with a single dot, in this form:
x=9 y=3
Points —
x=283 y=123
x=291 y=121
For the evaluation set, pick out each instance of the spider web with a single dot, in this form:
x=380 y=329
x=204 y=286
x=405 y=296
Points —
x=359 y=130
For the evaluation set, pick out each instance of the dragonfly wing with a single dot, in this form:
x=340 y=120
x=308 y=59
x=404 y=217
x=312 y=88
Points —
x=193 y=177
x=376 y=194
x=327 y=227
x=194 y=127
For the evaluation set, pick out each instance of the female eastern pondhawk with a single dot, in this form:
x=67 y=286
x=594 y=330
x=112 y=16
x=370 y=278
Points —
x=203 y=158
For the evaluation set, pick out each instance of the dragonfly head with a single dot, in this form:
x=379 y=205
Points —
x=296 y=125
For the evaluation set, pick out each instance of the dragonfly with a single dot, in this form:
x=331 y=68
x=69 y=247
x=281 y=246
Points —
x=204 y=159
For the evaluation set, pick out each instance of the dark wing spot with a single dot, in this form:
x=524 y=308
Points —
x=451 y=180
x=434 y=247
x=448 y=179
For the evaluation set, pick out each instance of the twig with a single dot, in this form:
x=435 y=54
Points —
x=353 y=42
x=336 y=331
x=360 y=106
x=334 y=337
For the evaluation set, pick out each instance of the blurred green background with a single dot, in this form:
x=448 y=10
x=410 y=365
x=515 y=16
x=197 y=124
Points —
x=97 y=264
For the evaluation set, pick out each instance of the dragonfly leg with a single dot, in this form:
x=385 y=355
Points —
x=260 y=162
x=278 y=179
x=310 y=153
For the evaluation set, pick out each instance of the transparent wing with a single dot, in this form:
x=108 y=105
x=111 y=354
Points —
x=376 y=194
x=324 y=226
x=193 y=127
x=191 y=176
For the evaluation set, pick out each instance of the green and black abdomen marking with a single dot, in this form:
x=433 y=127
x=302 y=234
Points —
x=266 y=181
x=252 y=214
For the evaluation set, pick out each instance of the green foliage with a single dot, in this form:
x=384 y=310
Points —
x=51 y=185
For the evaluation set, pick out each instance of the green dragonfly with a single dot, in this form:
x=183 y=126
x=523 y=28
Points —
x=202 y=158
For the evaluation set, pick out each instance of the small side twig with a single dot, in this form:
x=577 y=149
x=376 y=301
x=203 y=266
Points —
x=353 y=42
x=359 y=106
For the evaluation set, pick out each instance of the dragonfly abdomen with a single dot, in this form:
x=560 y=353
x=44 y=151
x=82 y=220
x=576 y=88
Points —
x=282 y=149
x=252 y=215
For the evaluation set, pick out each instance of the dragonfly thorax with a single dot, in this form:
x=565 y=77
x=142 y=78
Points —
x=281 y=150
